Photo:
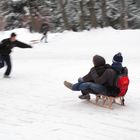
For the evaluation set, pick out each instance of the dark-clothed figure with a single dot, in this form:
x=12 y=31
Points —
x=87 y=83
x=6 y=47
x=109 y=76
x=44 y=30
x=44 y=37
x=100 y=79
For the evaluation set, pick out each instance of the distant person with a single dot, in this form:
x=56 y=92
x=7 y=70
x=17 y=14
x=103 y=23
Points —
x=6 y=47
x=44 y=30
x=44 y=37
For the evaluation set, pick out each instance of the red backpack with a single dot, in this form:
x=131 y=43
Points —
x=122 y=83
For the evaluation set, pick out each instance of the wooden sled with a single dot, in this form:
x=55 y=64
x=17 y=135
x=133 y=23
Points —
x=107 y=102
x=34 y=41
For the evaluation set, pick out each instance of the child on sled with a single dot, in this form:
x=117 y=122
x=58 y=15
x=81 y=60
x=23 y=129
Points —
x=101 y=78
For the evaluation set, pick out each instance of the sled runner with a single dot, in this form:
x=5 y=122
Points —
x=107 y=102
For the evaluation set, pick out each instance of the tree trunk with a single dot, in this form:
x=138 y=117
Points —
x=30 y=15
x=124 y=16
x=2 y=23
x=138 y=3
x=62 y=5
x=104 y=16
x=91 y=5
x=82 y=16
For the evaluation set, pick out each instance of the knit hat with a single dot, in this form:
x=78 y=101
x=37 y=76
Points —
x=118 y=58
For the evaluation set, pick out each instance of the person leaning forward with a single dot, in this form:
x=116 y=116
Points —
x=87 y=83
x=6 y=47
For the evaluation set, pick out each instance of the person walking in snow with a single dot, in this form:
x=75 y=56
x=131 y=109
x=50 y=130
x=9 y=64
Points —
x=100 y=79
x=6 y=47
x=45 y=29
x=44 y=37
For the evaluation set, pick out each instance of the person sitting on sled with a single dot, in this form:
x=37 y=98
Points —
x=100 y=79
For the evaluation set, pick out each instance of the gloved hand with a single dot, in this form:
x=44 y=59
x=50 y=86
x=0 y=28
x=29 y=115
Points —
x=80 y=80
x=30 y=46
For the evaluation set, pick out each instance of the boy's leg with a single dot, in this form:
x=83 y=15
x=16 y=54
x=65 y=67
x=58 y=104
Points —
x=46 y=39
x=7 y=60
x=87 y=86
x=81 y=86
x=85 y=94
x=42 y=38
x=87 y=91
x=98 y=89
x=93 y=89
x=84 y=87
x=78 y=86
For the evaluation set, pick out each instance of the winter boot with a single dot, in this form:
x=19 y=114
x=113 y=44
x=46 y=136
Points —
x=87 y=97
x=7 y=76
x=68 y=84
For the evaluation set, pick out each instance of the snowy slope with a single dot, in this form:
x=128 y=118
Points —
x=34 y=104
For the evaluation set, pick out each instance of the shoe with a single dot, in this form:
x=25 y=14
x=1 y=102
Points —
x=87 y=97
x=68 y=85
x=6 y=76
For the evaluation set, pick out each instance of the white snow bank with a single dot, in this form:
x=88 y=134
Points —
x=34 y=104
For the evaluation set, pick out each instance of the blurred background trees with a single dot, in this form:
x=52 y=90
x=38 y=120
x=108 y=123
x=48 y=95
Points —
x=73 y=15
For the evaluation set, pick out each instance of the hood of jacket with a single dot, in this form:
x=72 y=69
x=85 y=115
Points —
x=98 y=61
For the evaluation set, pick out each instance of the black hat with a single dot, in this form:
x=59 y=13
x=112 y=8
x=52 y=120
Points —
x=13 y=35
x=118 y=58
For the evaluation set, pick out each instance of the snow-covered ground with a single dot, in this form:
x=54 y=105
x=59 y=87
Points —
x=35 y=105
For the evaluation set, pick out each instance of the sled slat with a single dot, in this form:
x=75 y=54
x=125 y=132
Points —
x=107 y=101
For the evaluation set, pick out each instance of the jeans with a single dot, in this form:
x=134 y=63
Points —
x=89 y=86
x=7 y=60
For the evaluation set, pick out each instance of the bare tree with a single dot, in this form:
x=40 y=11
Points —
x=2 y=23
x=104 y=15
x=138 y=3
x=1 y=17
x=124 y=16
x=64 y=15
x=82 y=15
x=32 y=25
x=91 y=5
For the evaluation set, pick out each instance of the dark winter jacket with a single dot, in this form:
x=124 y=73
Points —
x=108 y=78
x=99 y=68
x=117 y=66
x=104 y=74
x=6 y=46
